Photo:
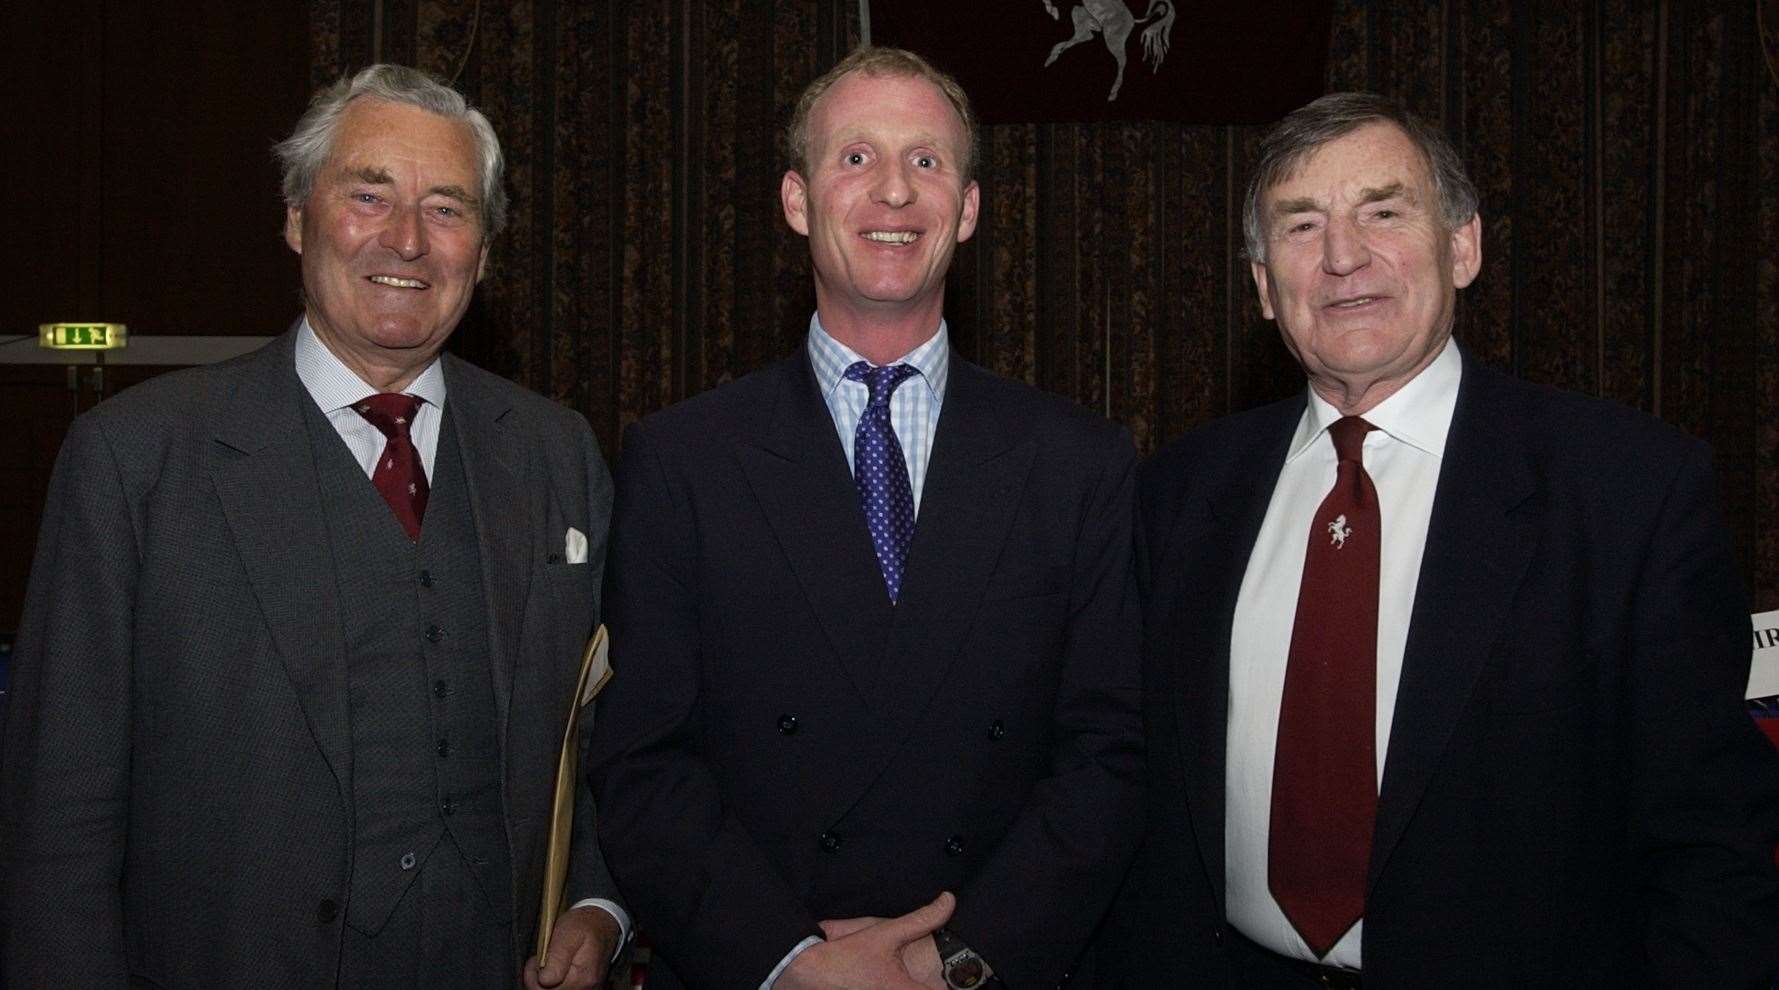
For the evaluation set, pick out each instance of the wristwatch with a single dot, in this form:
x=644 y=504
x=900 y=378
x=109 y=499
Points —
x=962 y=968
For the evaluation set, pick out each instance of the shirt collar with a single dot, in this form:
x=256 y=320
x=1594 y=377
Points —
x=1419 y=414
x=334 y=386
x=830 y=359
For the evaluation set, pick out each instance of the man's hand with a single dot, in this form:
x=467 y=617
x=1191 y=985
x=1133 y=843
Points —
x=871 y=953
x=580 y=948
x=919 y=957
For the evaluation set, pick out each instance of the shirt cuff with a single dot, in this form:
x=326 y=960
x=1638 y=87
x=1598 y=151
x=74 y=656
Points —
x=777 y=970
x=619 y=914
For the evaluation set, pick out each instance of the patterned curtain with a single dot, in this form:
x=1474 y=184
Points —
x=1627 y=154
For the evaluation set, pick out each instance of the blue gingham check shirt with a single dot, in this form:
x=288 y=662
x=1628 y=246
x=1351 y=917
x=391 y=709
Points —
x=914 y=406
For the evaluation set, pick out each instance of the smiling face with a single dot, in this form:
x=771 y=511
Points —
x=1360 y=272
x=884 y=205
x=391 y=238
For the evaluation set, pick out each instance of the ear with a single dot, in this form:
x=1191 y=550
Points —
x=1263 y=286
x=966 y=224
x=293 y=228
x=482 y=262
x=793 y=193
x=1467 y=252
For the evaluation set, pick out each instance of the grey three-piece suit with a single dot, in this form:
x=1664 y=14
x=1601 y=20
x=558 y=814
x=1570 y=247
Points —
x=257 y=737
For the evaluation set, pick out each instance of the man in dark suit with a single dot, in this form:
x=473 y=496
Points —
x=1443 y=670
x=872 y=615
x=304 y=627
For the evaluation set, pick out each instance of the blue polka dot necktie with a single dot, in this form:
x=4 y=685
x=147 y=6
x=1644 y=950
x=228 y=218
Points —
x=881 y=472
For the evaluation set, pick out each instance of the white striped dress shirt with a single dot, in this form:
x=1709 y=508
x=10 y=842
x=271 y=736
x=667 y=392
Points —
x=335 y=388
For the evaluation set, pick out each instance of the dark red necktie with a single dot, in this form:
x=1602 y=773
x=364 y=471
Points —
x=399 y=474
x=1324 y=779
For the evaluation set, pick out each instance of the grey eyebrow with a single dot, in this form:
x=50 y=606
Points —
x=457 y=193
x=1391 y=191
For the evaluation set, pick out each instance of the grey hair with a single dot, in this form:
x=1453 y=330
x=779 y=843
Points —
x=305 y=151
x=1305 y=130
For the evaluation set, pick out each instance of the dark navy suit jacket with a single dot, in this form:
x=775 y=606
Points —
x=1573 y=794
x=780 y=745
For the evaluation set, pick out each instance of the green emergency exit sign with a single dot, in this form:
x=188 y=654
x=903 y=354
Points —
x=81 y=336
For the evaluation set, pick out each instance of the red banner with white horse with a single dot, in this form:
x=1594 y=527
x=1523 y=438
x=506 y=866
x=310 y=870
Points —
x=1086 y=60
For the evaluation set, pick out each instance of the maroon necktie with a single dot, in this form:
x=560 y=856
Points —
x=1324 y=778
x=399 y=475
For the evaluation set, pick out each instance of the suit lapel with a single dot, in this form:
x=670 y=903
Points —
x=798 y=472
x=1203 y=567
x=266 y=484
x=980 y=465
x=506 y=500
x=1479 y=542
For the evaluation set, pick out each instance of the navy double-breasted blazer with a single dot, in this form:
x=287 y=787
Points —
x=781 y=745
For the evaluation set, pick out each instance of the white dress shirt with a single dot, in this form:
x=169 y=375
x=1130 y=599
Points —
x=1403 y=457
x=914 y=415
x=335 y=388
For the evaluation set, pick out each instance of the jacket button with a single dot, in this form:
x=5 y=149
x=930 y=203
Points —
x=830 y=842
x=440 y=689
x=954 y=846
x=787 y=724
x=448 y=806
x=326 y=912
x=443 y=748
x=996 y=730
x=434 y=634
x=425 y=579
x=408 y=860
x=1217 y=935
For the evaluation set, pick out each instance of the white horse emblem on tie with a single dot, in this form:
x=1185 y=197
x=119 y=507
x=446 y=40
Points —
x=1338 y=532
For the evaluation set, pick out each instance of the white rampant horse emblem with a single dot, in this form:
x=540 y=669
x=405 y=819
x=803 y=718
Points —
x=1112 y=20
x=1338 y=532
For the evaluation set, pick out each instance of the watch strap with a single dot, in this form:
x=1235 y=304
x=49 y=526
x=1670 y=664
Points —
x=961 y=967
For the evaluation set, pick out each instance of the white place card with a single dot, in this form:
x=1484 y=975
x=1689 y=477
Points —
x=1763 y=673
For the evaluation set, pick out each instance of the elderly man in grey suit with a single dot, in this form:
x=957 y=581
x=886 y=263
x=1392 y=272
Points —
x=304 y=627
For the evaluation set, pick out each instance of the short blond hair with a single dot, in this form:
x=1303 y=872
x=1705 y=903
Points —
x=875 y=61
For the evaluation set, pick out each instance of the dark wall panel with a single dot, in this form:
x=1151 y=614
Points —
x=140 y=183
x=139 y=188
x=1627 y=156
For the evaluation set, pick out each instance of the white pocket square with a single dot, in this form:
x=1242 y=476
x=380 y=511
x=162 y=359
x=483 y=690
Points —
x=574 y=549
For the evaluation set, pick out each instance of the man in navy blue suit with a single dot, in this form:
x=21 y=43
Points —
x=875 y=722
x=1443 y=670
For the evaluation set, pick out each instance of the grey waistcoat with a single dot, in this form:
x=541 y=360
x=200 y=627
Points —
x=425 y=750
